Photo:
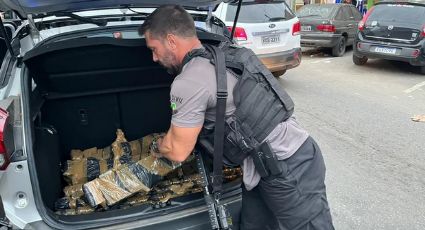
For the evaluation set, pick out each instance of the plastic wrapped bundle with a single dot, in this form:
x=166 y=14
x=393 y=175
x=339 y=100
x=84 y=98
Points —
x=118 y=184
x=89 y=164
x=69 y=203
x=76 y=211
x=74 y=191
x=83 y=170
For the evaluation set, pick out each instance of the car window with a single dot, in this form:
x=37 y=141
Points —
x=357 y=15
x=253 y=12
x=339 y=14
x=323 y=11
x=398 y=13
x=346 y=12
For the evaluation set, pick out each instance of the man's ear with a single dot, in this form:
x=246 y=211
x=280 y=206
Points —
x=171 y=40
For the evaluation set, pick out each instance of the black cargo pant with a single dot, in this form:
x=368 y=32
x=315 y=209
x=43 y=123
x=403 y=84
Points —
x=294 y=200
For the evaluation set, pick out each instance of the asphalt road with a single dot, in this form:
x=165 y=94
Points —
x=374 y=152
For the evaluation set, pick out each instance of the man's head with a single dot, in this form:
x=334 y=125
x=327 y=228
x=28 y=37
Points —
x=170 y=34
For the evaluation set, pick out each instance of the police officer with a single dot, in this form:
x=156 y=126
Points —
x=294 y=199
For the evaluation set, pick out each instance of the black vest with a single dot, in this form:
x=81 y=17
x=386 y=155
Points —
x=261 y=104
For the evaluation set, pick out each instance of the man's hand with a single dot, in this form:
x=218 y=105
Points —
x=178 y=143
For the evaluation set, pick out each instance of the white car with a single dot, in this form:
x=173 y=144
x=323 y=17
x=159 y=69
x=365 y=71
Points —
x=269 y=28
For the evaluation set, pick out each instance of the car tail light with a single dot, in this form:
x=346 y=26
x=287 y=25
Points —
x=240 y=34
x=4 y=158
x=363 y=21
x=326 y=28
x=296 y=28
x=415 y=53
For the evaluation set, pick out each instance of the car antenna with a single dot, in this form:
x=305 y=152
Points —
x=236 y=19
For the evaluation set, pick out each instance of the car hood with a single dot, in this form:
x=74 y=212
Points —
x=25 y=7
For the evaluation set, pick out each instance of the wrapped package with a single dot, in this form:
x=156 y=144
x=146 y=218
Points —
x=87 y=165
x=118 y=184
x=74 y=191
x=69 y=203
x=76 y=211
x=85 y=169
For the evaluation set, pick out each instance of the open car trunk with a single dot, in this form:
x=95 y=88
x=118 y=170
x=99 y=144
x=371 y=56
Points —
x=85 y=89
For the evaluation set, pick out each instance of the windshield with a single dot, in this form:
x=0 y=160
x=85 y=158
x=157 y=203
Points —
x=252 y=12
x=323 y=11
x=404 y=13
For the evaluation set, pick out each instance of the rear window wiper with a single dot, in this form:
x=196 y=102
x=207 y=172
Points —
x=98 y=22
x=310 y=15
x=276 y=19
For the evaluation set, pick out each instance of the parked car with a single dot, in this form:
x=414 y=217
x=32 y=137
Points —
x=269 y=28
x=328 y=25
x=77 y=71
x=392 y=31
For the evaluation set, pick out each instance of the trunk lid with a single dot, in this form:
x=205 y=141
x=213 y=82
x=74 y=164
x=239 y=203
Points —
x=25 y=7
x=313 y=15
x=399 y=23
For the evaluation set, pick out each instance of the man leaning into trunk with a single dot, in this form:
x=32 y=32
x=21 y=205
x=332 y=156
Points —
x=294 y=199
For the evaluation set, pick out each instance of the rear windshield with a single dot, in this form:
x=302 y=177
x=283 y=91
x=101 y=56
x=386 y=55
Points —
x=323 y=11
x=255 y=12
x=398 y=13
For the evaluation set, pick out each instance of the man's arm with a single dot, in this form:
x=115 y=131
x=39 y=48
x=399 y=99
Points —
x=179 y=142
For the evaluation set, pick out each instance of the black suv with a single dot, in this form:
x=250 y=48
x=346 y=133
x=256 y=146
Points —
x=392 y=31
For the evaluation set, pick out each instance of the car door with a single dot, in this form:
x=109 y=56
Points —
x=354 y=17
x=349 y=23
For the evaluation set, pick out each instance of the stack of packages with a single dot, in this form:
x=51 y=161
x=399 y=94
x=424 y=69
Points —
x=101 y=178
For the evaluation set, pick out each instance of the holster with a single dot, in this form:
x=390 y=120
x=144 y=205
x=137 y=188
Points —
x=265 y=161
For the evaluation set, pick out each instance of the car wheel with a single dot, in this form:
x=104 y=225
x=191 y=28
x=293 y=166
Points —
x=359 y=60
x=339 y=49
x=422 y=69
x=279 y=73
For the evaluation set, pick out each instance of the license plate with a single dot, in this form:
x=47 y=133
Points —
x=270 y=39
x=305 y=28
x=385 y=50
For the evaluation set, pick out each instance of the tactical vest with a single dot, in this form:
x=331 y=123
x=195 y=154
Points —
x=261 y=104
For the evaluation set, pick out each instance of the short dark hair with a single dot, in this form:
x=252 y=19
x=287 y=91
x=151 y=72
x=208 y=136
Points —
x=167 y=19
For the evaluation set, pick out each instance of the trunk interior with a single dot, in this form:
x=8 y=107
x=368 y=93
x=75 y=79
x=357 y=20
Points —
x=83 y=94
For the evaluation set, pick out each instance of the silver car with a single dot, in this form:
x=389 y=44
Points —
x=75 y=71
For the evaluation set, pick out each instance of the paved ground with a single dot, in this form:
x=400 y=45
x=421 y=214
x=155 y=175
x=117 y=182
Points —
x=375 y=153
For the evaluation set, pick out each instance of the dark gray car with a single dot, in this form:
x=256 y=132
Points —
x=328 y=25
x=392 y=32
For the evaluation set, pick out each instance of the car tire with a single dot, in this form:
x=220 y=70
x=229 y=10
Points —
x=279 y=73
x=422 y=70
x=339 y=49
x=359 y=60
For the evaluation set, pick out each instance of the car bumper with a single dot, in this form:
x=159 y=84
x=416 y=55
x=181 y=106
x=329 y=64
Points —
x=281 y=60
x=319 y=40
x=414 y=55
x=190 y=219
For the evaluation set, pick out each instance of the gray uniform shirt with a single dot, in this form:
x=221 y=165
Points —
x=193 y=99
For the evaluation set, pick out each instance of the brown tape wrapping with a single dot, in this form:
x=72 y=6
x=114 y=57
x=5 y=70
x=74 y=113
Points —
x=74 y=191
x=77 y=211
x=110 y=188
x=76 y=172
x=103 y=165
x=77 y=154
x=93 y=194
x=130 y=181
x=154 y=165
x=136 y=147
x=116 y=185
x=117 y=148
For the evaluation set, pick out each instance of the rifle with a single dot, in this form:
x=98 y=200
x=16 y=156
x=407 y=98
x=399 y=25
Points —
x=219 y=217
